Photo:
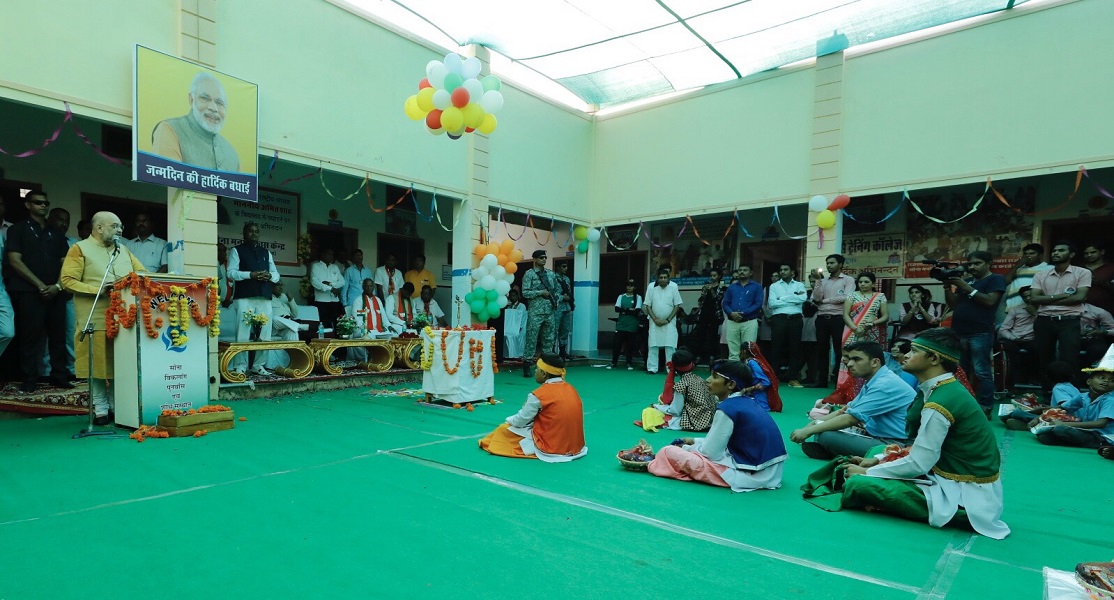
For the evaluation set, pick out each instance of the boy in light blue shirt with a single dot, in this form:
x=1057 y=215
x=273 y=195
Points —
x=1095 y=412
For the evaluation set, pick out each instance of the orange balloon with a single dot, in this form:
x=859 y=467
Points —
x=506 y=247
x=516 y=255
x=480 y=250
x=511 y=268
x=493 y=248
x=503 y=259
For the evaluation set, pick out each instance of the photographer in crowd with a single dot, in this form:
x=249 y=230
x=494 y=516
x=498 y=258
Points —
x=974 y=297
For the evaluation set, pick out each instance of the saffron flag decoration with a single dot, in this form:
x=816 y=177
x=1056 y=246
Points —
x=454 y=100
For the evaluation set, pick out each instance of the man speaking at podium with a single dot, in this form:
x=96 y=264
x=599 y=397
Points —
x=84 y=266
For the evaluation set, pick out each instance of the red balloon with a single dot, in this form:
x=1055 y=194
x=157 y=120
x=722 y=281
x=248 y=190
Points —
x=840 y=201
x=460 y=97
x=469 y=129
x=433 y=119
x=424 y=83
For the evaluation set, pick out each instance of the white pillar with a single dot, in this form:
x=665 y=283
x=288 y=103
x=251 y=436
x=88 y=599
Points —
x=586 y=293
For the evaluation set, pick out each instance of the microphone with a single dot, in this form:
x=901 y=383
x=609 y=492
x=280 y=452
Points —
x=115 y=244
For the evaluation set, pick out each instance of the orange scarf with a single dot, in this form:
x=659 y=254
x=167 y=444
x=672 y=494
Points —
x=405 y=309
x=390 y=281
x=374 y=323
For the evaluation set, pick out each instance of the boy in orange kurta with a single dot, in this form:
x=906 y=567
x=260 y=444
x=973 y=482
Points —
x=550 y=425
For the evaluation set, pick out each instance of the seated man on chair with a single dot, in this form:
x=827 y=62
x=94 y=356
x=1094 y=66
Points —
x=427 y=306
x=283 y=326
x=954 y=462
x=550 y=425
x=399 y=308
x=370 y=317
x=876 y=416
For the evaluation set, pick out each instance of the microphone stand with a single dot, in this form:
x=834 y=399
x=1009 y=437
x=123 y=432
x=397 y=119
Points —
x=87 y=332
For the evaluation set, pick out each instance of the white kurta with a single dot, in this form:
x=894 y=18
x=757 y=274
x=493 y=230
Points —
x=514 y=331
x=661 y=302
x=714 y=448
x=982 y=501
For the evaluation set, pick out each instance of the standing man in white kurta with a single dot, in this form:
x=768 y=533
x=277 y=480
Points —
x=663 y=301
x=252 y=268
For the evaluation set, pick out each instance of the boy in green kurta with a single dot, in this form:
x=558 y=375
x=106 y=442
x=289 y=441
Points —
x=954 y=461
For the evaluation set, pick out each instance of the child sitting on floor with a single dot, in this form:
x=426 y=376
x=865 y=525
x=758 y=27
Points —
x=550 y=425
x=685 y=402
x=1060 y=373
x=764 y=386
x=1095 y=411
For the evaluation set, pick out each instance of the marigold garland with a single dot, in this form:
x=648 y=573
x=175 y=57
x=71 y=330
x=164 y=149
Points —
x=475 y=357
x=148 y=431
x=427 y=349
x=494 y=364
x=177 y=305
x=459 y=353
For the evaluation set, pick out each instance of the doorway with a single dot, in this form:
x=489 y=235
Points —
x=404 y=249
x=1079 y=232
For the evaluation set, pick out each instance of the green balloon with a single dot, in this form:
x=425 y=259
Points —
x=582 y=247
x=491 y=296
x=453 y=81
x=494 y=314
x=491 y=83
x=477 y=305
x=482 y=316
x=468 y=298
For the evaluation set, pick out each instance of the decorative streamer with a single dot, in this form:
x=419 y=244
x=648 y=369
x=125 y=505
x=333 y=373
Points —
x=530 y=222
x=300 y=177
x=84 y=138
x=742 y=227
x=506 y=226
x=646 y=234
x=366 y=181
x=777 y=219
x=904 y=197
x=48 y=141
x=1098 y=187
x=389 y=206
x=418 y=210
x=696 y=232
x=271 y=167
x=1002 y=199
x=969 y=213
x=634 y=239
x=456 y=221
x=567 y=239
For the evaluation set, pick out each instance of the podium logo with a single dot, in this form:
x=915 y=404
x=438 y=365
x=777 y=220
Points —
x=169 y=342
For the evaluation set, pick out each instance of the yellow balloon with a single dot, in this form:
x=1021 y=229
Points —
x=412 y=110
x=489 y=124
x=452 y=119
x=473 y=115
x=506 y=246
x=516 y=255
x=425 y=99
x=826 y=219
x=580 y=232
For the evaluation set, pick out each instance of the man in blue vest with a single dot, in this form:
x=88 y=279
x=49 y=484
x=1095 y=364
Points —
x=252 y=268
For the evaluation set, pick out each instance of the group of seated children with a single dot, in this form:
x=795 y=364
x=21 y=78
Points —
x=924 y=452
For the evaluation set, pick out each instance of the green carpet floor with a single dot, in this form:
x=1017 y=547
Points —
x=351 y=495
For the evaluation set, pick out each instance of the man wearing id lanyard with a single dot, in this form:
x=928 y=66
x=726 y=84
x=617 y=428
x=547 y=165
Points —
x=829 y=294
x=1059 y=294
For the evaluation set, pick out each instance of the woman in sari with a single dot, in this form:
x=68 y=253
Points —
x=865 y=315
x=919 y=313
x=764 y=388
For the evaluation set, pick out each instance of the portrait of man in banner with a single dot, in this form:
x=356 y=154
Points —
x=194 y=128
x=195 y=137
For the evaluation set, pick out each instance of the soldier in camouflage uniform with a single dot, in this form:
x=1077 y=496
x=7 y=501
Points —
x=539 y=287
x=565 y=306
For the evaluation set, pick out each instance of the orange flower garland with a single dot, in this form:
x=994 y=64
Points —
x=459 y=353
x=494 y=364
x=119 y=314
x=475 y=357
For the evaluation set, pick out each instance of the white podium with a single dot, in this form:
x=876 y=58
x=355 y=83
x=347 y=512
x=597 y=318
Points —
x=469 y=376
x=157 y=372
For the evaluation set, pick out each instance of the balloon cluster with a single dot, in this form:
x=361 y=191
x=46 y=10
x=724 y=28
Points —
x=496 y=264
x=453 y=99
x=585 y=236
x=827 y=217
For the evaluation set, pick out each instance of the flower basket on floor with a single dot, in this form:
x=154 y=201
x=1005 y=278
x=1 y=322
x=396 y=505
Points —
x=184 y=423
x=637 y=458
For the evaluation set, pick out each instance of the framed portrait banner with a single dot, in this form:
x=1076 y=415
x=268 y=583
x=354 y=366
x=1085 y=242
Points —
x=193 y=128
x=277 y=212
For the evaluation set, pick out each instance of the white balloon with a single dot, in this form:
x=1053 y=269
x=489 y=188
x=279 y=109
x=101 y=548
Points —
x=501 y=301
x=475 y=89
x=429 y=67
x=502 y=287
x=442 y=99
x=453 y=63
x=492 y=101
x=478 y=273
x=818 y=203
x=499 y=272
x=471 y=67
x=437 y=75
x=509 y=278
x=593 y=235
x=490 y=261
x=487 y=282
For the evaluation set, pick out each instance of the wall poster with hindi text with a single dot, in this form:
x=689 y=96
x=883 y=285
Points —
x=278 y=215
x=193 y=128
x=880 y=253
